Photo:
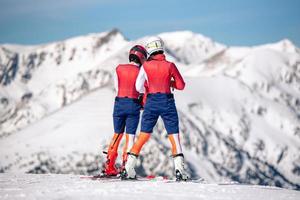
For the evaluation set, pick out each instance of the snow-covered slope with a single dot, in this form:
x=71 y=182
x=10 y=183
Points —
x=68 y=141
x=50 y=186
x=239 y=114
x=37 y=81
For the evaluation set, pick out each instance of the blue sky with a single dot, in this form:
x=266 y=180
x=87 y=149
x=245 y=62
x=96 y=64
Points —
x=232 y=22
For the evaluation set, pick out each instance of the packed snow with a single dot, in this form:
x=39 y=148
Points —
x=54 y=186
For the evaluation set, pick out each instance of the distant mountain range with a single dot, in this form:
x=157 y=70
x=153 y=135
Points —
x=239 y=114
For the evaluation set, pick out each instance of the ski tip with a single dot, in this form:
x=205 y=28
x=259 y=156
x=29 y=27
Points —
x=150 y=176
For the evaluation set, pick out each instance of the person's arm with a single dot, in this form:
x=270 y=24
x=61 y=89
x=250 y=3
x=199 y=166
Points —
x=178 y=82
x=140 y=80
x=115 y=76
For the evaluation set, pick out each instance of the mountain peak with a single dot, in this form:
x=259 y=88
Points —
x=182 y=36
x=189 y=47
x=284 y=45
x=115 y=32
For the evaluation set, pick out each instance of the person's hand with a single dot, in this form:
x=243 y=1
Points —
x=140 y=100
x=172 y=85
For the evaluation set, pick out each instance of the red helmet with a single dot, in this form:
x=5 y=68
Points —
x=138 y=54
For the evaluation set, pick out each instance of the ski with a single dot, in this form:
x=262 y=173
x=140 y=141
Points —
x=101 y=177
x=165 y=179
x=118 y=177
x=147 y=178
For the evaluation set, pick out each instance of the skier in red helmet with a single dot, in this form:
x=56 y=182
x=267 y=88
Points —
x=160 y=76
x=127 y=108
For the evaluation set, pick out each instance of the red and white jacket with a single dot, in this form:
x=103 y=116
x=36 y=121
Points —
x=160 y=75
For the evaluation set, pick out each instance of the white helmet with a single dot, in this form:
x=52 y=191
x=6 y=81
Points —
x=154 y=44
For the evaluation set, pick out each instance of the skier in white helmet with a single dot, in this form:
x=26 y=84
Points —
x=160 y=76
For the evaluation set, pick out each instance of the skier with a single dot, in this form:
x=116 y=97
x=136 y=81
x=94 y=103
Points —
x=127 y=107
x=160 y=75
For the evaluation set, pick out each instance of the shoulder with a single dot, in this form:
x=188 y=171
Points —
x=166 y=62
x=172 y=67
x=147 y=62
x=147 y=65
x=121 y=66
x=172 y=64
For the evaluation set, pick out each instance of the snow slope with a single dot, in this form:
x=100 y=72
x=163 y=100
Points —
x=239 y=114
x=39 y=80
x=65 y=140
x=50 y=186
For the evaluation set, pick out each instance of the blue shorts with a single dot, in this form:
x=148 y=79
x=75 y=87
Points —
x=160 y=105
x=126 y=115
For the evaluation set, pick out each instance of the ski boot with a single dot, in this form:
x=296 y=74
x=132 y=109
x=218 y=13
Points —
x=109 y=167
x=180 y=172
x=129 y=171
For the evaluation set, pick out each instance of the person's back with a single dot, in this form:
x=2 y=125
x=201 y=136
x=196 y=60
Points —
x=126 y=75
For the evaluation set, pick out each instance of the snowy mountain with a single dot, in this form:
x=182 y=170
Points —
x=39 y=80
x=190 y=48
x=239 y=114
x=57 y=186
